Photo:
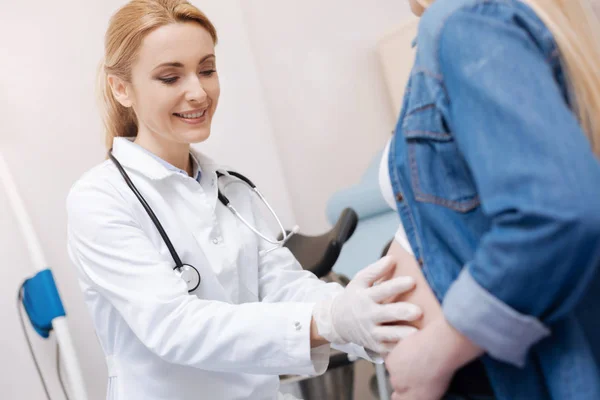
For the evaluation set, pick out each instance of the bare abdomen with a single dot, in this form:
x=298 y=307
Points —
x=422 y=295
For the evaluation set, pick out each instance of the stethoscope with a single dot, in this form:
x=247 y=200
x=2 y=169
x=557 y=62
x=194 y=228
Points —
x=188 y=272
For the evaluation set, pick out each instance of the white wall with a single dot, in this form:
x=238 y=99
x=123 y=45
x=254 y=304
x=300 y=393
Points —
x=50 y=134
x=327 y=101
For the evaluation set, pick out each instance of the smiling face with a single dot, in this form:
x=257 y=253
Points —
x=174 y=88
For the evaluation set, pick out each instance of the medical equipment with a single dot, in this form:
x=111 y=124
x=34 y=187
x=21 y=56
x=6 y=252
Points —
x=42 y=301
x=189 y=273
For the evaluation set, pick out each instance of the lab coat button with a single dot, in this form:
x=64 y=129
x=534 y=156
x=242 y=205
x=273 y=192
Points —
x=216 y=241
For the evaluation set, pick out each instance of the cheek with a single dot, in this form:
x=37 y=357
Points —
x=214 y=93
x=159 y=104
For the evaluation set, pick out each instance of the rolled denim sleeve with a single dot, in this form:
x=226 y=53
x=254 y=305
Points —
x=505 y=333
x=538 y=180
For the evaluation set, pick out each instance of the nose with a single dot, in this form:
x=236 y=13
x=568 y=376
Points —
x=195 y=91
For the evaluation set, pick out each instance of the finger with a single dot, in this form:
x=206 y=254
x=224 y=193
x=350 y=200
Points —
x=386 y=276
x=393 y=334
x=393 y=287
x=367 y=276
x=401 y=311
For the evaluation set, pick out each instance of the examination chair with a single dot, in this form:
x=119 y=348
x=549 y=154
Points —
x=318 y=254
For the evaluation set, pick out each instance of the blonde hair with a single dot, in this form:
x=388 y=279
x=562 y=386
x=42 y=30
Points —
x=126 y=30
x=575 y=27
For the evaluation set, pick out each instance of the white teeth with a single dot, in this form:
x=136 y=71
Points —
x=194 y=115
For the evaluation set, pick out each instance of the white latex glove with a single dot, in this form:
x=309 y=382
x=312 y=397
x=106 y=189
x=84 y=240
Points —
x=357 y=314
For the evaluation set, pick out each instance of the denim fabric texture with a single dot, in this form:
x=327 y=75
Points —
x=499 y=193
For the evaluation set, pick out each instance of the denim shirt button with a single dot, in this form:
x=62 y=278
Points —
x=399 y=196
x=420 y=261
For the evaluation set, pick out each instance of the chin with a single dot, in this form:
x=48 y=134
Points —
x=197 y=136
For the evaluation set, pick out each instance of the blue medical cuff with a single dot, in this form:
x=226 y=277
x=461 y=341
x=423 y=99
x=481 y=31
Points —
x=504 y=333
x=42 y=302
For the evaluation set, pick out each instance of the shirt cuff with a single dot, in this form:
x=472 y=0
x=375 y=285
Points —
x=504 y=333
x=312 y=361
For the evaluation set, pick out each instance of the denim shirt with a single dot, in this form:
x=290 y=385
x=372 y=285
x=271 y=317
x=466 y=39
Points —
x=499 y=193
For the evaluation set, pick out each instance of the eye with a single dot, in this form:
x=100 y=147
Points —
x=168 y=80
x=209 y=72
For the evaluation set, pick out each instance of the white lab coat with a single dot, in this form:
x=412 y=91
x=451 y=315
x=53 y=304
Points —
x=248 y=321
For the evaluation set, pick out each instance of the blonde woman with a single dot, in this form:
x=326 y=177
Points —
x=494 y=171
x=187 y=300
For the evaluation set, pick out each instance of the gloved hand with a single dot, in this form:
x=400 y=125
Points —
x=357 y=314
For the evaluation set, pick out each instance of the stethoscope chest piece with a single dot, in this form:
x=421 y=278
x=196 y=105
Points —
x=190 y=276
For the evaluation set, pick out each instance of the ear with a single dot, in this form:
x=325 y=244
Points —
x=121 y=90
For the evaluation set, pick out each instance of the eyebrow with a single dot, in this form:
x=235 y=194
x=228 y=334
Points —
x=177 y=64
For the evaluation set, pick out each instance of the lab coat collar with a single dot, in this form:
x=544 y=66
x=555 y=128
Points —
x=133 y=157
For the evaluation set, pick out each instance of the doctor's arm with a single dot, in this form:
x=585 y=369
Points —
x=115 y=257
x=351 y=318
